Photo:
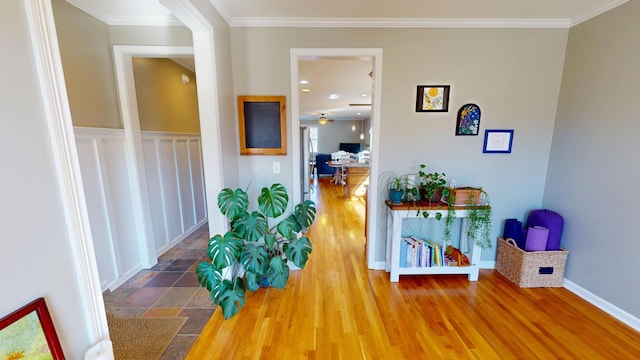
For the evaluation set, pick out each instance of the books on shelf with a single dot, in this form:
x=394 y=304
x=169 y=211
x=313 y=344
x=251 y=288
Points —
x=416 y=252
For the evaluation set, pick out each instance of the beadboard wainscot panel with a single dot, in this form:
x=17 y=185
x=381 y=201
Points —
x=197 y=177
x=173 y=164
x=107 y=192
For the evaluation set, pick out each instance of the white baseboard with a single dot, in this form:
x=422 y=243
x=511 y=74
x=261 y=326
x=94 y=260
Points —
x=603 y=305
x=122 y=279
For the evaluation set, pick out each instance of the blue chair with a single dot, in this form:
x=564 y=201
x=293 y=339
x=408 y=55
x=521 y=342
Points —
x=321 y=165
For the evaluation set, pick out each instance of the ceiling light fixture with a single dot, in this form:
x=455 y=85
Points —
x=333 y=96
x=304 y=82
x=305 y=90
x=323 y=120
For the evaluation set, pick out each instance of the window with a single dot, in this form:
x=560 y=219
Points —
x=313 y=139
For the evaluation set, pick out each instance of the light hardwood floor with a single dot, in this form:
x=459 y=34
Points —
x=338 y=309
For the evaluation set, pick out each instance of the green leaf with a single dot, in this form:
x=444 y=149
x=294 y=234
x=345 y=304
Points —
x=254 y=259
x=305 y=213
x=278 y=273
x=286 y=226
x=270 y=240
x=208 y=275
x=224 y=251
x=298 y=251
x=438 y=216
x=233 y=203
x=252 y=227
x=231 y=297
x=253 y=281
x=273 y=201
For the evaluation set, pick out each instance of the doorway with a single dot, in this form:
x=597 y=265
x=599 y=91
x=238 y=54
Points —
x=375 y=55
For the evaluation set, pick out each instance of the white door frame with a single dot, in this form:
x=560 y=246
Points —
x=376 y=55
x=123 y=60
x=49 y=63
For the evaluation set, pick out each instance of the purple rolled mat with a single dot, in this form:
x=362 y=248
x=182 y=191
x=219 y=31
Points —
x=552 y=221
x=513 y=230
x=536 y=238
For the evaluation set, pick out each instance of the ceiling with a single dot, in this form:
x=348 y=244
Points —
x=349 y=78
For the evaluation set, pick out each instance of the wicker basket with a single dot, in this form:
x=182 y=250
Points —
x=530 y=268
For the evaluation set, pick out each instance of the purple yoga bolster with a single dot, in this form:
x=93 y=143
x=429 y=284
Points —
x=536 y=238
x=552 y=221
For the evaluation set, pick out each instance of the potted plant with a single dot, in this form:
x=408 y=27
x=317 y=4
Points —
x=479 y=219
x=431 y=185
x=259 y=245
x=478 y=207
x=396 y=185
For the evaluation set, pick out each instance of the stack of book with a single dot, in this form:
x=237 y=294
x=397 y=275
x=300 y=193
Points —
x=416 y=252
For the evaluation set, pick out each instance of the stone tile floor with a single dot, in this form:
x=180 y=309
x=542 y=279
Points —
x=169 y=289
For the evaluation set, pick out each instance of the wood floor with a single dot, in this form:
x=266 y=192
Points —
x=338 y=309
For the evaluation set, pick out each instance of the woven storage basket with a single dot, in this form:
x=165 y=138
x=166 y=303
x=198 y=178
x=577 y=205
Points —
x=530 y=268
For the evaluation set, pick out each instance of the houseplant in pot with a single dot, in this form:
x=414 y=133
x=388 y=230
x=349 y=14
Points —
x=396 y=185
x=479 y=219
x=431 y=185
x=258 y=246
x=478 y=207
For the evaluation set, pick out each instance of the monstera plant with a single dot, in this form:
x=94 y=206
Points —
x=257 y=248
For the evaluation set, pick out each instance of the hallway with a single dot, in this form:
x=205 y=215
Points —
x=169 y=289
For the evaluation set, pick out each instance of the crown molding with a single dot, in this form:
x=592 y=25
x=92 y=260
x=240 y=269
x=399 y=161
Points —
x=598 y=11
x=401 y=23
x=144 y=20
x=99 y=14
x=222 y=11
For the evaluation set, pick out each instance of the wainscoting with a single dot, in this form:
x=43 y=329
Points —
x=173 y=164
x=175 y=183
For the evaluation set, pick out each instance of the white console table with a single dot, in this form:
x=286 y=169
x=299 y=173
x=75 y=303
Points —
x=395 y=214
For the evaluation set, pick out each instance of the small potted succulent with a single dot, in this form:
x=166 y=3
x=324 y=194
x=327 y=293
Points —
x=397 y=186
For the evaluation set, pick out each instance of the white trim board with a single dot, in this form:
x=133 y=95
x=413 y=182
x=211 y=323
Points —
x=54 y=92
x=603 y=305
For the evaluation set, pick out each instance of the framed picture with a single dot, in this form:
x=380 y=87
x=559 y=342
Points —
x=28 y=333
x=432 y=98
x=468 y=120
x=262 y=122
x=498 y=141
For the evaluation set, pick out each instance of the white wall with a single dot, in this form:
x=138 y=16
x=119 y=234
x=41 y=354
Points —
x=176 y=186
x=36 y=251
x=332 y=134
x=593 y=166
x=108 y=194
x=512 y=74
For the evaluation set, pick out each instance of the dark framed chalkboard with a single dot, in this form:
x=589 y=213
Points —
x=262 y=121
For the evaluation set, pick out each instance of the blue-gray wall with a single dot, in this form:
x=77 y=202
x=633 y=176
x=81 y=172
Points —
x=593 y=167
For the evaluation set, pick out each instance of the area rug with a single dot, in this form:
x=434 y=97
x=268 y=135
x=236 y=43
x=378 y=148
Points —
x=137 y=338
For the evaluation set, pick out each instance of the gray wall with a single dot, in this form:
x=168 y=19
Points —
x=88 y=67
x=593 y=165
x=35 y=252
x=512 y=74
x=332 y=134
